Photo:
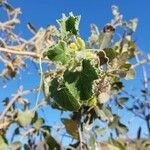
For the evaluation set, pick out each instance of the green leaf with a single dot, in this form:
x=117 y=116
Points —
x=110 y=53
x=84 y=54
x=122 y=128
x=91 y=143
x=73 y=90
x=59 y=53
x=46 y=130
x=108 y=113
x=126 y=66
x=119 y=143
x=4 y=146
x=24 y=118
x=131 y=49
x=3 y=143
x=133 y=24
x=116 y=124
x=69 y=24
x=122 y=100
x=85 y=81
x=62 y=23
x=72 y=24
x=116 y=87
x=26 y=147
x=146 y=144
x=104 y=113
x=39 y=122
x=100 y=131
x=65 y=95
x=91 y=102
x=101 y=114
x=52 y=143
x=71 y=127
x=16 y=145
x=130 y=74
x=49 y=140
x=96 y=37
x=112 y=147
x=123 y=69
x=9 y=7
x=70 y=76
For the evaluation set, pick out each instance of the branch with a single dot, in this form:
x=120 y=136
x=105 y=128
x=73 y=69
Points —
x=30 y=131
x=142 y=62
x=24 y=53
x=13 y=100
x=80 y=138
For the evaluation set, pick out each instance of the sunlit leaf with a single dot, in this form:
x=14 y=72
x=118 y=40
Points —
x=133 y=24
x=69 y=24
x=92 y=141
x=59 y=53
x=118 y=143
x=24 y=118
x=91 y=102
x=3 y=144
x=104 y=113
x=122 y=129
x=16 y=145
x=103 y=97
x=116 y=124
x=146 y=144
x=112 y=147
x=130 y=74
x=100 y=131
x=39 y=122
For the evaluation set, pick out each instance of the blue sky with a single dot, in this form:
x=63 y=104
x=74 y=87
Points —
x=41 y=13
x=45 y=12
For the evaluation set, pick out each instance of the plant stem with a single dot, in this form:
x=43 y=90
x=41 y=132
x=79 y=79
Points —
x=80 y=138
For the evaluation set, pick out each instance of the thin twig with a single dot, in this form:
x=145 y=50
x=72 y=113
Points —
x=31 y=130
x=25 y=53
x=41 y=82
x=145 y=82
x=142 y=62
x=12 y=102
x=80 y=138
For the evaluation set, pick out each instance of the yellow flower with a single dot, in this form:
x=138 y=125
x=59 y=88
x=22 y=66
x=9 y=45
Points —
x=73 y=46
x=80 y=42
